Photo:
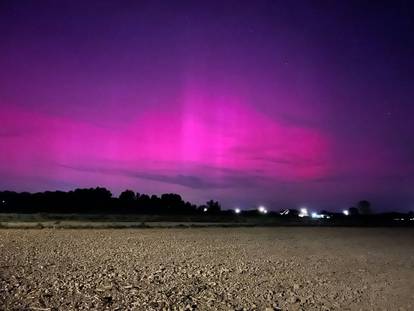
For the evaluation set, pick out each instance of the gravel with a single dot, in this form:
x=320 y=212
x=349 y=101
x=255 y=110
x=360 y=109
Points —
x=207 y=269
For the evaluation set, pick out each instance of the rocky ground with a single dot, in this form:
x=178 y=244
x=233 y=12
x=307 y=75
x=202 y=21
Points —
x=207 y=269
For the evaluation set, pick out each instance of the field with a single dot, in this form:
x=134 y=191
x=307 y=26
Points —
x=287 y=268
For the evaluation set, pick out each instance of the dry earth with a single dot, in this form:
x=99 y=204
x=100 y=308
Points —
x=207 y=269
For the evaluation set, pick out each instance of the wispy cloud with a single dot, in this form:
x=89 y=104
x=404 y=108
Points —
x=186 y=180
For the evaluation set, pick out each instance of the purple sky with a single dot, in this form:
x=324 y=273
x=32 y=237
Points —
x=246 y=102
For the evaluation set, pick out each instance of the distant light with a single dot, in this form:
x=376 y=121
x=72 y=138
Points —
x=237 y=211
x=316 y=215
x=411 y=219
x=345 y=212
x=303 y=212
x=285 y=212
x=205 y=209
x=262 y=209
x=3 y=202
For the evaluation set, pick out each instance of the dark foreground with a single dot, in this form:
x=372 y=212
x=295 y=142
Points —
x=225 y=219
x=207 y=269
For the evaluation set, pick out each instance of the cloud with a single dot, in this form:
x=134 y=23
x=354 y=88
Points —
x=293 y=160
x=227 y=180
x=182 y=180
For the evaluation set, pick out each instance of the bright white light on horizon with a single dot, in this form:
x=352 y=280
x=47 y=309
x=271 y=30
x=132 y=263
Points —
x=345 y=212
x=205 y=209
x=262 y=209
x=237 y=211
x=303 y=212
x=317 y=216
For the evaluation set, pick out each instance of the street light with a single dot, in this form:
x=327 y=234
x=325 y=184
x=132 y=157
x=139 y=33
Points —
x=262 y=210
x=303 y=212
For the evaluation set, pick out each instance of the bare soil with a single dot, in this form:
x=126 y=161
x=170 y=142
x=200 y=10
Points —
x=281 y=268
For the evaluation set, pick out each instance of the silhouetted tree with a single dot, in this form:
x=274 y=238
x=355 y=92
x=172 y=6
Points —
x=364 y=207
x=127 y=196
x=353 y=211
x=173 y=203
x=144 y=200
x=127 y=201
x=213 y=207
x=293 y=212
x=96 y=200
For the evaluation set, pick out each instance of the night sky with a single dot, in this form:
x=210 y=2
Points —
x=284 y=103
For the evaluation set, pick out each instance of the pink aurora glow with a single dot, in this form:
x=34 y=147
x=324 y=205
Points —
x=205 y=141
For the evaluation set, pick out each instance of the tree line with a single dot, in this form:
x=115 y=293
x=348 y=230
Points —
x=100 y=200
